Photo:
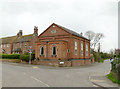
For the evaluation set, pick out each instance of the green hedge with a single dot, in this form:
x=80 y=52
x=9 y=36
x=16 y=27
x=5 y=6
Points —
x=10 y=56
x=24 y=57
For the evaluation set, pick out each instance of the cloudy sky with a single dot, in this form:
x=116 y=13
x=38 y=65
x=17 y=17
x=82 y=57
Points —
x=78 y=15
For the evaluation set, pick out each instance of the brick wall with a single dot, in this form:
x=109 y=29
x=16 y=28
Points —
x=66 y=63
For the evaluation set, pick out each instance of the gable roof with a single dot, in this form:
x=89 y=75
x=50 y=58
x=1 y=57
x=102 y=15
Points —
x=6 y=40
x=72 y=32
x=67 y=30
x=24 y=38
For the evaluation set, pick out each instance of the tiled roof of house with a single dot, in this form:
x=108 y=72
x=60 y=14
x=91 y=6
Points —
x=24 y=38
x=70 y=31
x=6 y=40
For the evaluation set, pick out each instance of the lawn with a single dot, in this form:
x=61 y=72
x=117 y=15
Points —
x=112 y=78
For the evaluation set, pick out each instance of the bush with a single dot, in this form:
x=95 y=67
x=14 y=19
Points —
x=24 y=57
x=101 y=60
x=10 y=56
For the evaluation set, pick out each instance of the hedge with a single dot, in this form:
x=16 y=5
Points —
x=10 y=56
x=24 y=57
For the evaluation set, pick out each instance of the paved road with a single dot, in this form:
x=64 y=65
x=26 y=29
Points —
x=22 y=75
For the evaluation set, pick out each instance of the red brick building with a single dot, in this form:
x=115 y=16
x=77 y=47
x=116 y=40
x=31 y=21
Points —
x=60 y=43
x=6 y=44
x=19 y=43
x=22 y=43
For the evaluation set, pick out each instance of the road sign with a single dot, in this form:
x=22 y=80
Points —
x=30 y=52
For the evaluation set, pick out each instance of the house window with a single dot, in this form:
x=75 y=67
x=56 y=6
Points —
x=75 y=48
x=42 y=51
x=4 y=45
x=8 y=45
x=53 y=31
x=54 y=50
x=25 y=44
x=86 y=49
x=1 y=45
x=81 y=48
x=68 y=50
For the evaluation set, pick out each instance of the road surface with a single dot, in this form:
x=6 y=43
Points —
x=25 y=75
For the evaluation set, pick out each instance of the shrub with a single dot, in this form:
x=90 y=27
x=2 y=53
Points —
x=101 y=60
x=10 y=56
x=24 y=57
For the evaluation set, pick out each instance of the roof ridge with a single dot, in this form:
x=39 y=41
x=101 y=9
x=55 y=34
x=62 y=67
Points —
x=71 y=31
x=7 y=37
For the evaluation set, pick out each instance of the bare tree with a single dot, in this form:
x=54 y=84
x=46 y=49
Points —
x=90 y=35
x=94 y=38
x=97 y=38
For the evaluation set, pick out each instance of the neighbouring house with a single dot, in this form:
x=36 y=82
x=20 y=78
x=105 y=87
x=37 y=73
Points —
x=20 y=43
x=6 y=44
x=60 y=43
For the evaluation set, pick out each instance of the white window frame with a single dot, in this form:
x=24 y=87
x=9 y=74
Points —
x=1 y=45
x=55 y=50
x=4 y=45
x=8 y=45
x=75 y=48
x=25 y=44
x=82 y=48
x=41 y=50
x=87 y=50
x=68 y=50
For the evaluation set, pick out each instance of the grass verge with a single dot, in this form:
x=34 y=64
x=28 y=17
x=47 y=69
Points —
x=112 y=78
x=11 y=60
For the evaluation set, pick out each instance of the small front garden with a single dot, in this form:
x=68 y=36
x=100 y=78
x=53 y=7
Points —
x=17 y=57
x=114 y=75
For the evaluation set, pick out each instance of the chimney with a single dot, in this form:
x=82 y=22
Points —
x=20 y=33
x=35 y=30
x=81 y=33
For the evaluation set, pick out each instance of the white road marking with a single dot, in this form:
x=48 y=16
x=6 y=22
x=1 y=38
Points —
x=93 y=80
x=95 y=86
x=35 y=67
x=39 y=81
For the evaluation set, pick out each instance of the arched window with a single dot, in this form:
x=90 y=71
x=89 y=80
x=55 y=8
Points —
x=42 y=51
x=54 y=50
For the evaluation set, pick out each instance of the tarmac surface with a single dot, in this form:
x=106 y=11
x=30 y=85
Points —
x=25 y=75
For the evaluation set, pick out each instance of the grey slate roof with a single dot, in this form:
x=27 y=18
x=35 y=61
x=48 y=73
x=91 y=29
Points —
x=24 y=38
x=6 y=40
x=72 y=32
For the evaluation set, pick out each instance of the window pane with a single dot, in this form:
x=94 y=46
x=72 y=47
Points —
x=86 y=49
x=81 y=48
x=75 y=48
x=54 y=50
x=42 y=50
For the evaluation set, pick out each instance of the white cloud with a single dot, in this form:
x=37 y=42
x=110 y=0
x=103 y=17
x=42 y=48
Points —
x=78 y=15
